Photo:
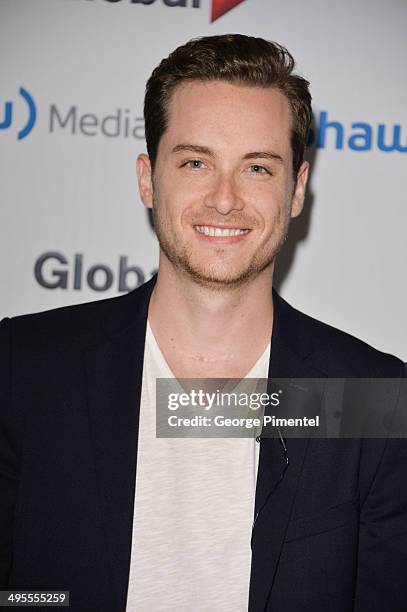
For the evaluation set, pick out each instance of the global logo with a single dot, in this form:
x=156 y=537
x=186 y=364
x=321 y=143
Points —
x=52 y=270
x=218 y=7
x=7 y=118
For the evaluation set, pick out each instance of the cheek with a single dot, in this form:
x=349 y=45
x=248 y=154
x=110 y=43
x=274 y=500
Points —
x=176 y=188
x=174 y=208
x=270 y=206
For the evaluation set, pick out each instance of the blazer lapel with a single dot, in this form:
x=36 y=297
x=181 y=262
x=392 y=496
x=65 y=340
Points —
x=279 y=468
x=114 y=380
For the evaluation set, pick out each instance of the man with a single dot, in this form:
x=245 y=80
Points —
x=92 y=501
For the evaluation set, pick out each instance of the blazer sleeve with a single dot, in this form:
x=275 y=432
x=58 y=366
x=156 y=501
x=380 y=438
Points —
x=382 y=556
x=8 y=455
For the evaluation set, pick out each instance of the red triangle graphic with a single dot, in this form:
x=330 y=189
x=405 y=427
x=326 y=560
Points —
x=220 y=7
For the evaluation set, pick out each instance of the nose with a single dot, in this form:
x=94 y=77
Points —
x=224 y=195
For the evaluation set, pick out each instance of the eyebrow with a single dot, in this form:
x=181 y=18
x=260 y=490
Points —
x=194 y=149
x=206 y=151
x=263 y=155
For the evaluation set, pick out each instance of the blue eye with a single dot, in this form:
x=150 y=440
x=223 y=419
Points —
x=194 y=163
x=256 y=169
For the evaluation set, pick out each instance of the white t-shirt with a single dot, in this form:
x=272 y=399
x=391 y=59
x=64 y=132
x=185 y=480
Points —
x=193 y=511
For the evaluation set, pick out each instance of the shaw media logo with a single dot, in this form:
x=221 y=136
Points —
x=6 y=120
x=329 y=134
x=218 y=7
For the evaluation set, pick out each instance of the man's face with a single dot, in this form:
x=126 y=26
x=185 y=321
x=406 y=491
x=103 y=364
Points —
x=223 y=191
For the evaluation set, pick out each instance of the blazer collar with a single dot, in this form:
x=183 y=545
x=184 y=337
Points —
x=128 y=311
x=292 y=344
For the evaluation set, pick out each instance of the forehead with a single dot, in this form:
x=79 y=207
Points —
x=221 y=112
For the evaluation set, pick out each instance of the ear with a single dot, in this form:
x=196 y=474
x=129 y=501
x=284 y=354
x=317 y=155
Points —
x=144 y=177
x=299 y=190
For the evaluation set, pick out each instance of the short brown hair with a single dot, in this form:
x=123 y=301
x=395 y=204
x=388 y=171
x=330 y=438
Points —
x=234 y=58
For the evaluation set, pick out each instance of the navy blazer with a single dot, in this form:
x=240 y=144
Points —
x=331 y=527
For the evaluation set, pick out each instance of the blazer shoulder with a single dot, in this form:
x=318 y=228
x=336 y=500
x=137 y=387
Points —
x=76 y=324
x=340 y=354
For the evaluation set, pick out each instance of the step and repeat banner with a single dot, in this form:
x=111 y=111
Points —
x=73 y=228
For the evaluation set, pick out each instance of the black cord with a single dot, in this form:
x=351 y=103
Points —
x=287 y=462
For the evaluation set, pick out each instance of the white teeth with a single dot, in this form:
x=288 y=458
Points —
x=218 y=231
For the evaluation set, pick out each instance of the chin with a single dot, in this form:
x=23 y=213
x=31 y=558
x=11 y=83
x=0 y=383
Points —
x=217 y=275
x=218 y=279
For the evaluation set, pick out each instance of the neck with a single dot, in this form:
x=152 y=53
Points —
x=221 y=330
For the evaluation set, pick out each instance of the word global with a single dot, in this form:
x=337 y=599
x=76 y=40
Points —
x=182 y=3
x=52 y=270
x=218 y=8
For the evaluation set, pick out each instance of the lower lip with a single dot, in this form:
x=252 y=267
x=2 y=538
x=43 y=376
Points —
x=221 y=239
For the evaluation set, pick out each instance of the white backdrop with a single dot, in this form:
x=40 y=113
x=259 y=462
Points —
x=72 y=84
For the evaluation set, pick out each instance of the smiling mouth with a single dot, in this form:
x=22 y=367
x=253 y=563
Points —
x=220 y=232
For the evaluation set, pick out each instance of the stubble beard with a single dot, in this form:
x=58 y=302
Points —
x=209 y=277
